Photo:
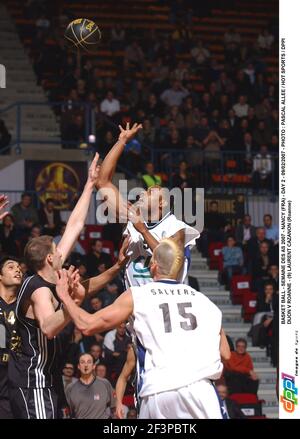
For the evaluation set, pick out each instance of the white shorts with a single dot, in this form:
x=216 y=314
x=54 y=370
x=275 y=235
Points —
x=195 y=401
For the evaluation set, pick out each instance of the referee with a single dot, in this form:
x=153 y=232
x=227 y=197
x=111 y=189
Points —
x=90 y=397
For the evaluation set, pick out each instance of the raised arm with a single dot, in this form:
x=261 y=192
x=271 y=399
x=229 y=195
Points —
x=103 y=320
x=127 y=370
x=77 y=219
x=151 y=241
x=108 y=167
x=224 y=347
x=3 y=203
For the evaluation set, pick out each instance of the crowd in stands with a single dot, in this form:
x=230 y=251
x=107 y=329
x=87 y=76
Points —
x=250 y=251
x=186 y=99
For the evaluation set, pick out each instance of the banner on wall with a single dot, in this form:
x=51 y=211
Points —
x=61 y=181
x=231 y=206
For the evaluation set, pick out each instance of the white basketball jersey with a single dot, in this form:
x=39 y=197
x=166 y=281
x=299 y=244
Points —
x=137 y=272
x=179 y=328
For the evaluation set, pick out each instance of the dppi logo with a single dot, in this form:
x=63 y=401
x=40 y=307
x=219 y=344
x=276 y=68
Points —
x=2 y=76
x=288 y=399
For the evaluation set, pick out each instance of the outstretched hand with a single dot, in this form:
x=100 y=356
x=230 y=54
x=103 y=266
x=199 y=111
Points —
x=129 y=133
x=136 y=217
x=123 y=257
x=3 y=203
x=62 y=284
x=76 y=289
x=68 y=285
x=94 y=170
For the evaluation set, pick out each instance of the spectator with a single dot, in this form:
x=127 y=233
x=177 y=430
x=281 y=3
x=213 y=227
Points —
x=250 y=71
x=25 y=215
x=134 y=55
x=248 y=147
x=147 y=135
x=244 y=231
x=263 y=319
x=95 y=304
x=68 y=375
x=233 y=260
x=150 y=178
x=272 y=231
x=101 y=370
x=232 y=39
x=49 y=218
x=264 y=302
x=175 y=95
x=73 y=132
x=263 y=109
x=274 y=276
x=262 y=169
x=262 y=134
x=212 y=151
x=231 y=407
x=110 y=106
x=5 y=138
x=254 y=243
x=193 y=154
x=8 y=243
x=117 y=37
x=97 y=257
x=241 y=107
x=265 y=40
x=214 y=228
x=110 y=293
x=90 y=397
x=239 y=372
x=200 y=54
x=96 y=353
x=260 y=264
x=175 y=115
x=183 y=179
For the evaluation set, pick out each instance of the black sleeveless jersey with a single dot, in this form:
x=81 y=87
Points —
x=35 y=364
x=9 y=340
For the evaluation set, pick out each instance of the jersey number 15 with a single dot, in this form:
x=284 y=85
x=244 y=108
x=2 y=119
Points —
x=187 y=326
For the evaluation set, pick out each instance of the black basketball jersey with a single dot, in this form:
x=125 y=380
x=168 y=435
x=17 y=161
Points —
x=9 y=340
x=35 y=364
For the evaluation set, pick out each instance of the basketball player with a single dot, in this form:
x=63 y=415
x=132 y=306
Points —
x=152 y=206
x=168 y=315
x=41 y=317
x=10 y=280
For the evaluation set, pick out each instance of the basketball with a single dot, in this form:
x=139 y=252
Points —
x=83 y=34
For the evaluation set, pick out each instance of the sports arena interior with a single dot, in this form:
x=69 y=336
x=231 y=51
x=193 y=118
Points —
x=202 y=79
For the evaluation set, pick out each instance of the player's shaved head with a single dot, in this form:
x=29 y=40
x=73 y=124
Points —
x=169 y=259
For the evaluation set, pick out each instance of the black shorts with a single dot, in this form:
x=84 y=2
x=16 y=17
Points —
x=5 y=409
x=33 y=403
